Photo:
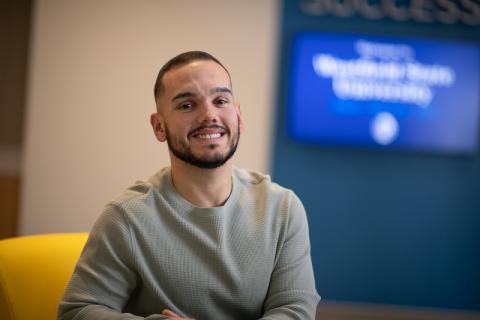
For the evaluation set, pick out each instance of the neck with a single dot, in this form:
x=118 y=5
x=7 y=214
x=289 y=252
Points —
x=202 y=187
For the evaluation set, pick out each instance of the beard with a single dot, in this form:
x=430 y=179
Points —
x=183 y=151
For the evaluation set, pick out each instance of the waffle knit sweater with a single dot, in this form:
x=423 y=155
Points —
x=151 y=249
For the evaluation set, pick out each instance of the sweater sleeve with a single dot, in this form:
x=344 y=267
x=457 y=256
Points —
x=104 y=276
x=292 y=293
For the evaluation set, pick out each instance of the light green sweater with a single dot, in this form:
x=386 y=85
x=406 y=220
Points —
x=151 y=250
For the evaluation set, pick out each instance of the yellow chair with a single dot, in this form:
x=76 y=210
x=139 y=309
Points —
x=34 y=272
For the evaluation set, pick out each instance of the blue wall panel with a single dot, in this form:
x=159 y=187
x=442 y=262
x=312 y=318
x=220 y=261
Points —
x=386 y=227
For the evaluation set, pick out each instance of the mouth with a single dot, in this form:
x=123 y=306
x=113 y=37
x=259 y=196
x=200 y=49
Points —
x=207 y=134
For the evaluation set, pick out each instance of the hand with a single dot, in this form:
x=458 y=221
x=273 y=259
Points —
x=173 y=316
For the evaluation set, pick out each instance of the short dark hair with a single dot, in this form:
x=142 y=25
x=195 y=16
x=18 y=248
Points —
x=179 y=60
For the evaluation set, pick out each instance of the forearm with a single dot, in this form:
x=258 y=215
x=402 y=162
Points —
x=291 y=306
x=95 y=312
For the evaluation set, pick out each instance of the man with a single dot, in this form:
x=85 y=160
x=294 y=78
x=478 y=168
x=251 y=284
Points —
x=200 y=239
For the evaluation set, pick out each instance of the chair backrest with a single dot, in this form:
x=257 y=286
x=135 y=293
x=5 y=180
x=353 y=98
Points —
x=34 y=272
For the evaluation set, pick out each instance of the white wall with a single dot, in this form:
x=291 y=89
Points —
x=92 y=68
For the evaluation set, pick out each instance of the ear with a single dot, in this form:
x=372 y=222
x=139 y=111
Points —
x=158 y=127
x=239 y=116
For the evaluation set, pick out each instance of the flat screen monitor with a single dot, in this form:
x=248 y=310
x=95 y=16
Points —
x=384 y=92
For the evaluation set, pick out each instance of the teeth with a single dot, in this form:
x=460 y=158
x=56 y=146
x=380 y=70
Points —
x=209 y=136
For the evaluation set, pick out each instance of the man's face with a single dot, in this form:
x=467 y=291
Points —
x=197 y=115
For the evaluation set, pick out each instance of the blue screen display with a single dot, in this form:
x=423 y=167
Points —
x=384 y=92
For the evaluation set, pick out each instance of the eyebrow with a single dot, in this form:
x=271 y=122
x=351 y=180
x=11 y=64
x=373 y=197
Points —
x=189 y=94
x=221 y=89
x=181 y=95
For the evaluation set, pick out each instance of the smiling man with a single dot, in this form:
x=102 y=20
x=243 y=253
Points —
x=200 y=239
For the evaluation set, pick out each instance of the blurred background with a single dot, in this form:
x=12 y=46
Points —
x=393 y=225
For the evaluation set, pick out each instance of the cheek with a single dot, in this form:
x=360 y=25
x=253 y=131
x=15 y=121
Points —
x=239 y=121
x=179 y=129
x=236 y=122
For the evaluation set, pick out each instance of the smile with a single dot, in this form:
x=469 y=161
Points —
x=209 y=136
x=208 y=133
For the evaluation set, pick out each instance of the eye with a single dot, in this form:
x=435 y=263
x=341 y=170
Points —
x=185 y=106
x=221 y=101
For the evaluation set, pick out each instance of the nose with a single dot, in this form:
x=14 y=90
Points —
x=208 y=113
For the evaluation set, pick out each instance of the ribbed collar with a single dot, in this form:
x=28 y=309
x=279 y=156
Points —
x=163 y=184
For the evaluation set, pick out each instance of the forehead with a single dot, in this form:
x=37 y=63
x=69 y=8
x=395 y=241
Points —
x=195 y=76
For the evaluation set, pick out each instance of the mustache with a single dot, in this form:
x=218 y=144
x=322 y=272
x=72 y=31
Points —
x=202 y=127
